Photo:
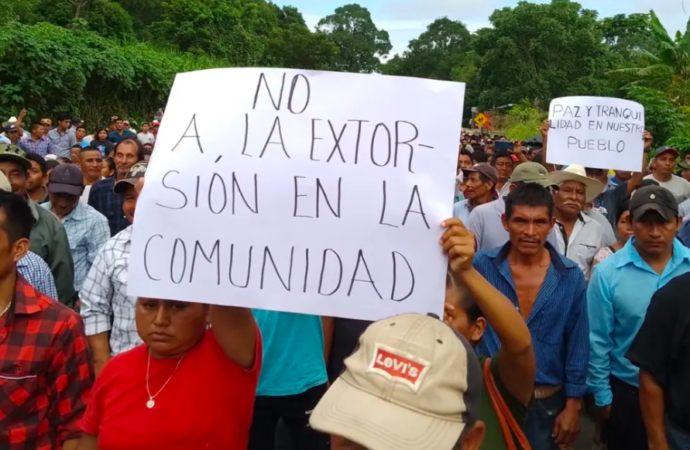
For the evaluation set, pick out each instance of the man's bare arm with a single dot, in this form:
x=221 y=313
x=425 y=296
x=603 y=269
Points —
x=517 y=363
x=652 y=406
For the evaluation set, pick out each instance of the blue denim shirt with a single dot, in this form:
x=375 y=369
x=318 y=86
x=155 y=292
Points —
x=557 y=322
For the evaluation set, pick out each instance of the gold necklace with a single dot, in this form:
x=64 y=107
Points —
x=7 y=308
x=151 y=403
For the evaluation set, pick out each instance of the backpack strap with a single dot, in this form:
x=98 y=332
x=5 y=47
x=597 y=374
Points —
x=510 y=428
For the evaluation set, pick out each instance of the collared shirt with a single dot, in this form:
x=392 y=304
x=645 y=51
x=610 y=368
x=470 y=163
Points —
x=463 y=208
x=586 y=239
x=105 y=201
x=49 y=241
x=104 y=295
x=486 y=225
x=37 y=273
x=115 y=136
x=618 y=296
x=62 y=142
x=684 y=209
x=557 y=322
x=45 y=372
x=40 y=147
x=87 y=231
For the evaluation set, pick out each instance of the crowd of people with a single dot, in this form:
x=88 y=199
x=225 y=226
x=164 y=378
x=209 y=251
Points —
x=564 y=294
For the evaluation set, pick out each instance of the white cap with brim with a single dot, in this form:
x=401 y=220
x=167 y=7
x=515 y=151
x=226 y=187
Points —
x=412 y=384
x=576 y=172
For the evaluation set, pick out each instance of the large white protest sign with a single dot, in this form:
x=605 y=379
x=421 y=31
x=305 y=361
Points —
x=308 y=192
x=598 y=132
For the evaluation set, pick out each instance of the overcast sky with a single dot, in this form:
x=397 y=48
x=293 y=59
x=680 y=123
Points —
x=406 y=19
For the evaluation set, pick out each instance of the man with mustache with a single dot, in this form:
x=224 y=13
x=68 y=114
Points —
x=579 y=236
x=480 y=188
x=618 y=298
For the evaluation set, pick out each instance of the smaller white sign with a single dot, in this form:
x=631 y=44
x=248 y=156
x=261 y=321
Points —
x=597 y=132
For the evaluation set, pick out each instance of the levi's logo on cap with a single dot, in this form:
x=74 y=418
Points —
x=397 y=366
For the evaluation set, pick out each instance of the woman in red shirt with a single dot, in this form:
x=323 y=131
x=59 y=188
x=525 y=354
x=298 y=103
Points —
x=187 y=387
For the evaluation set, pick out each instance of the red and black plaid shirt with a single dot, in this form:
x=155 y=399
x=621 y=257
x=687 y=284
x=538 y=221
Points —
x=45 y=372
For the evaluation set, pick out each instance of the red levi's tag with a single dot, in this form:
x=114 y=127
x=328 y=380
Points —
x=397 y=367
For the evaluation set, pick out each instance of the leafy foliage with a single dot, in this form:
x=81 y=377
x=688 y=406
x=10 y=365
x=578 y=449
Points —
x=359 y=41
x=49 y=69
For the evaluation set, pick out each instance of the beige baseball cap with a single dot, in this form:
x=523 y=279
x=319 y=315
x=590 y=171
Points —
x=413 y=383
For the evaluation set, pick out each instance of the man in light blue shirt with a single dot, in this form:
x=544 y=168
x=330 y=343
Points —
x=87 y=229
x=480 y=188
x=61 y=137
x=619 y=293
x=293 y=379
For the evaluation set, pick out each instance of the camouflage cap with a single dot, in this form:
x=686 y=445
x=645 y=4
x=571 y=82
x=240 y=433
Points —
x=136 y=173
x=12 y=153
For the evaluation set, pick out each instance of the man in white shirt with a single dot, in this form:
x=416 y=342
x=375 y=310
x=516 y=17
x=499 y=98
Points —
x=145 y=137
x=579 y=236
x=664 y=169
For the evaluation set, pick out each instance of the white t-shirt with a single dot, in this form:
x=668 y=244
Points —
x=679 y=186
x=85 y=195
x=146 y=138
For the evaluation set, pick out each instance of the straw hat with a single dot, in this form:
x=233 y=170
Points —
x=576 y=172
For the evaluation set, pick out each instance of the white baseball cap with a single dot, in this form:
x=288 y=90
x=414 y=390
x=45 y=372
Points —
x=413 y=383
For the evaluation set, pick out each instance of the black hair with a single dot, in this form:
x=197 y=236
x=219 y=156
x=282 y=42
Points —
x=76 y=121
x=18 y=218
x=110 y=162
x=64 y=160
x=537 y=158
x=500 y=154
x=466 y=153
x=467 y=301
x=140 y=148
x=622 y=207
x=36 y=124
x=64 y=116
x=39 y=160
x=89 y=148
x=98 y=131
x=479 y=157
x=529 y=194
x=82 y=127
x=76 y=146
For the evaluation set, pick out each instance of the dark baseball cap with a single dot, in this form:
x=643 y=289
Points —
x=12 y=153
x=66 y=179
x=485 y=169
x=654 y=198
x=662 y=150
x=135 y=174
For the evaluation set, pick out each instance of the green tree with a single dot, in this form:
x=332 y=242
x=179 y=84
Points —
x=628 y=33
x=541 y=51
x=298 y=48
x=143 y=14
x=104 y=17
x=360 y=42
x=211 y=27
x=667 y=67
x=439 y=53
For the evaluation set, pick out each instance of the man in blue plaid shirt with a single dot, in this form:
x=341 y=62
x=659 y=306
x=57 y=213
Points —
x=87 y=229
